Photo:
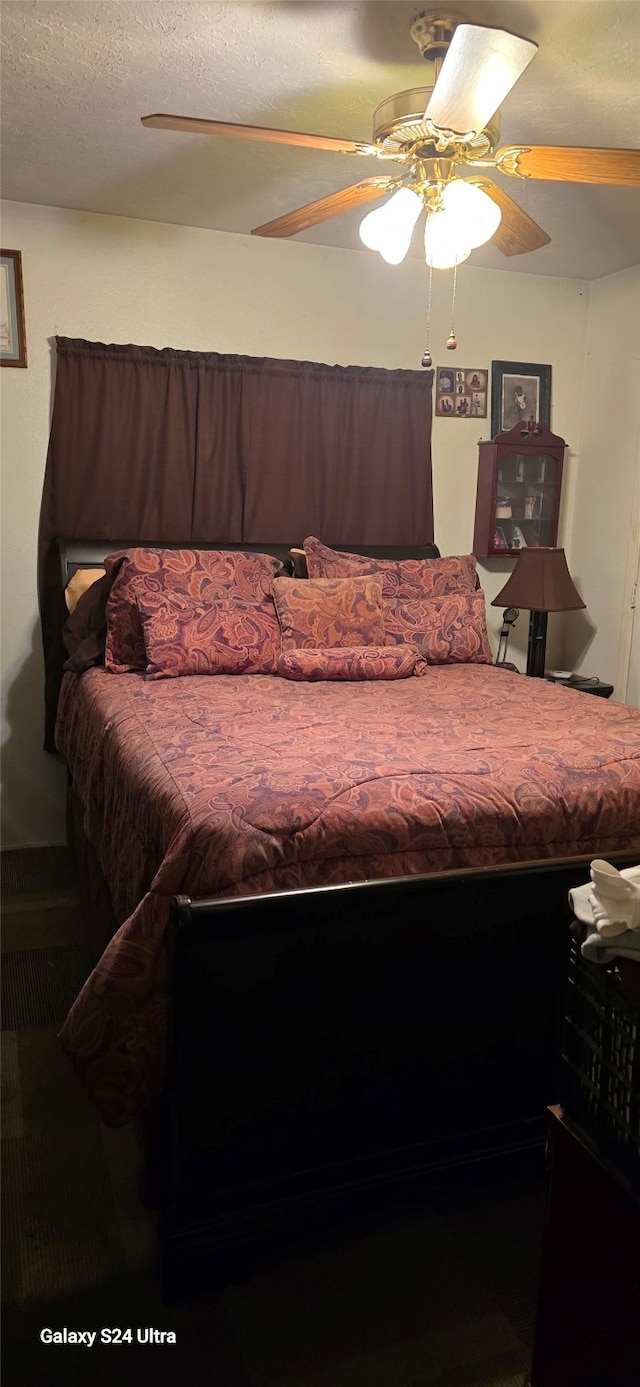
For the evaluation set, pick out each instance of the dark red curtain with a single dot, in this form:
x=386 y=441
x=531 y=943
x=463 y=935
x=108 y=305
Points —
x=153 y=445
x=342 y=452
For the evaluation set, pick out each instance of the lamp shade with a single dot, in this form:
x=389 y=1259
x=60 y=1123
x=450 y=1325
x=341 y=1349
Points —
x=388 y=229
x=540 y=582
x=475 y=216
x=444 y=246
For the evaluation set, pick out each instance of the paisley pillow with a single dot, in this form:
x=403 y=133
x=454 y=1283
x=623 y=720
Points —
x=201 y=575
x=443 y=630
x=409 y=578
x=183 y=637
x=329 y=612
x=364 y=662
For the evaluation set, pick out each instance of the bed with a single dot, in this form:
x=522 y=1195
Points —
x=329 y=917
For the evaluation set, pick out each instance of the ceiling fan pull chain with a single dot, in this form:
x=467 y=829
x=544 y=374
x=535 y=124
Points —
x=452 y=340
x=427 y=359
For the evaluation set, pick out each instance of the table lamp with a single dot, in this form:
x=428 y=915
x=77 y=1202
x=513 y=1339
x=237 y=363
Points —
x=542 y=583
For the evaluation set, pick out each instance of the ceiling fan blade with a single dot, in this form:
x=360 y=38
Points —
x=480 y=68
x=194 y=126
x=568 y=165
x=326 y=207
x=517 y=232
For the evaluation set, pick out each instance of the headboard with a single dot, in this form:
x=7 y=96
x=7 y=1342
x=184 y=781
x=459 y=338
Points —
x=91 y=553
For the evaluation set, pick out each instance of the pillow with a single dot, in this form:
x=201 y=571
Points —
x=84 y=633
x=202 y=575
x=399 y=577
x=82 y=579
x=364 y=662
x=227 y=637
x=329 y=612
x=443 y=630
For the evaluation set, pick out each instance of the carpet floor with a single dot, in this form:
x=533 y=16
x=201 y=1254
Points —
x=438 y=1291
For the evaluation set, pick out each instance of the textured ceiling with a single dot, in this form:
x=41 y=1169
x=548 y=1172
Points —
x=77 y=77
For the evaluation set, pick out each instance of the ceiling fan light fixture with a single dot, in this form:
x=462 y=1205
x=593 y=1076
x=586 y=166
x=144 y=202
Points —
x=444 y=243
x=388 y=229
x=475 y=214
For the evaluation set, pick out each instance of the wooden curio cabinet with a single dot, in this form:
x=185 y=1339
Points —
x=518 y=498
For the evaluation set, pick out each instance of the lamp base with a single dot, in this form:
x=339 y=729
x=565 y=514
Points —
x=537 y=644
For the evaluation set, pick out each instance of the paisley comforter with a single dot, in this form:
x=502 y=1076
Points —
x=251 y=783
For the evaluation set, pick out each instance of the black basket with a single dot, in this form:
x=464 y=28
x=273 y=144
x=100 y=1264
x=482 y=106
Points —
x=600 y=1065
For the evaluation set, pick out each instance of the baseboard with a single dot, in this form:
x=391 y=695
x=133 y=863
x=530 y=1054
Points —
x=32 y=847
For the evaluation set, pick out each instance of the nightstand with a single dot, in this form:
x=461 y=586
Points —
x=585 y=686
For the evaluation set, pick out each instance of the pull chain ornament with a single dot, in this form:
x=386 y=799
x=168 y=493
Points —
x=427 y=359
x=452 y=340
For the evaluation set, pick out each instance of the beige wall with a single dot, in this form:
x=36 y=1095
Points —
x=603 y=545
x=116 y=280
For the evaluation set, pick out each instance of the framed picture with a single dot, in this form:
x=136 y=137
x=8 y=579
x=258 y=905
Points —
x=520 y=390
x=461 y=392
x=13 y=341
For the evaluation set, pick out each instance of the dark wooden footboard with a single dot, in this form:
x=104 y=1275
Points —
x=329 y=1042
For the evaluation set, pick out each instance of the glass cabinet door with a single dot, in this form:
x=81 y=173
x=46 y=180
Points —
x=526 y=501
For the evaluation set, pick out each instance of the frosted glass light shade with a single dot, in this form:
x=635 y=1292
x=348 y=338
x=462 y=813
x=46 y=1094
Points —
x=388 y=229
x=480 y=68
x=444 y=245
x=474 y=214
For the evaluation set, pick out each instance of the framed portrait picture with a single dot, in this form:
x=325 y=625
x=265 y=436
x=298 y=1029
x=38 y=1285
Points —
x=461 y=392
x=13 y=341
x=520 y=390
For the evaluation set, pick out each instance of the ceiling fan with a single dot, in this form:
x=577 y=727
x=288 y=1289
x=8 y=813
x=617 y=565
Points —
x=444 y=138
